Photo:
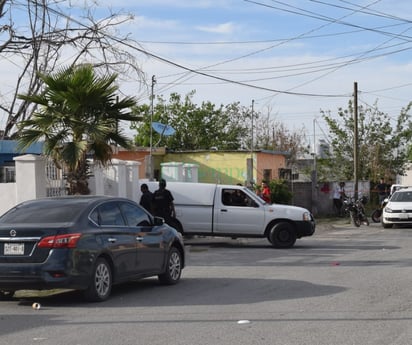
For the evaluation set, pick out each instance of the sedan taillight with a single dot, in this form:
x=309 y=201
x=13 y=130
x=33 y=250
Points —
x=59 y=241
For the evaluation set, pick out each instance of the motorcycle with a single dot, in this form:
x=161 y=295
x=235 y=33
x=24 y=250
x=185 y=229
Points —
x=376 y=214
x=356 y=210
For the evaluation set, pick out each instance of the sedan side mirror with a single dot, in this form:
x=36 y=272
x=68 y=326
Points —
x=158 y=221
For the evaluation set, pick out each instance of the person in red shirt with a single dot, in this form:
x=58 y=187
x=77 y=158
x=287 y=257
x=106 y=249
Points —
x=265 y=193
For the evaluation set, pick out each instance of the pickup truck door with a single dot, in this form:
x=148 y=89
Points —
x=236 y=212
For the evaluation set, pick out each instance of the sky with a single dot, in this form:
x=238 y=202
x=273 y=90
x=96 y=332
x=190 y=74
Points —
x=290 y=58
x=293 y=58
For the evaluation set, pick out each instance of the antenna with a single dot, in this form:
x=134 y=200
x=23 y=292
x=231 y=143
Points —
x=163 y=129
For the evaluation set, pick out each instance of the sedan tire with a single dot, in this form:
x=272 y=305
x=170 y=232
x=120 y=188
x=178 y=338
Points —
x=6 y=295
x=101 y=284
x=173 y=269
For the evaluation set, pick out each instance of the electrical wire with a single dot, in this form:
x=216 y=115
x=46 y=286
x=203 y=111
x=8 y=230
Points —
x=221 y=79
x=330 y=21
x=314 y=15
x=175 y=64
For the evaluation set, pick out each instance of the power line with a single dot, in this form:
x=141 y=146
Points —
x=314 y=15
x=370 y=12
x=275 y=40
x=208 y=75
x=172 y=63
x=330 y=21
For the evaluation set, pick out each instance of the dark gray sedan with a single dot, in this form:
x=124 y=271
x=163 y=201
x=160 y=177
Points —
x=85 y=243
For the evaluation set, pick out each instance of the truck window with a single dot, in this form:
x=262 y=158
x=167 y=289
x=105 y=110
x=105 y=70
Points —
x=226 y=198
x=235 y=197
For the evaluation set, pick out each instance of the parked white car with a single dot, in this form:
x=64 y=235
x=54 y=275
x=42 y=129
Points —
x=398 y=210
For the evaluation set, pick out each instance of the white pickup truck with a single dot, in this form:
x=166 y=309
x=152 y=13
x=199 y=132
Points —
x=235 y=211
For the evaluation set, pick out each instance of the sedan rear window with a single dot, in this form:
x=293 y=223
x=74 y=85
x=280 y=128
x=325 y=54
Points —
x=109 y=214
x=42 y=213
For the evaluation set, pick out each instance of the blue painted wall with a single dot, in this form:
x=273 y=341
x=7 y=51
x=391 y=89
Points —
x=8 y=150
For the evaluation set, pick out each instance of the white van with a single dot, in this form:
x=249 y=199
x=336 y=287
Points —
x=235 y=211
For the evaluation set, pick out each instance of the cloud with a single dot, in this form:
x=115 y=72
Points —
x=225 y=28
x=154 y=24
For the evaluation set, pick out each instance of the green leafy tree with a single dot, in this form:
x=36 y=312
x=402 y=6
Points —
x=197 y=127
x=274 y=135
x=202 y=127
x=77 y=118
x=383 y=147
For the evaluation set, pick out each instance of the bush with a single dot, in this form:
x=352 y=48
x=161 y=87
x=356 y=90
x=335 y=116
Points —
x=279 y=192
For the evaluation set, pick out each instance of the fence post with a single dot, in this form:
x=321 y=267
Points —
x=132 y=183
x=30 y=177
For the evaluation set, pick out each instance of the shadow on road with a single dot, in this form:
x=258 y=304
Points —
x=197 y=292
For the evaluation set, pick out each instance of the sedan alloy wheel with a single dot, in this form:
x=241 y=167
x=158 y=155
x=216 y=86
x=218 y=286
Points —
x=101 y=286
x=173 y=268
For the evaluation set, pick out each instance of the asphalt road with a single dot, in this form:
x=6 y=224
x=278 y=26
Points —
x=344 y=285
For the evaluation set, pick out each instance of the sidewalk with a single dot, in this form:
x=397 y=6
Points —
x=327 y=224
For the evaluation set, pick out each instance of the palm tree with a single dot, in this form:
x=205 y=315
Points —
x=77 y=117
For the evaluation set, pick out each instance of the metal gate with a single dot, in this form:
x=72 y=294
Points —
x=55 y=179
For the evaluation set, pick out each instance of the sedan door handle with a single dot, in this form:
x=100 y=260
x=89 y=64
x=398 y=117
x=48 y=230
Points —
x=223 y=210
x=112 y=240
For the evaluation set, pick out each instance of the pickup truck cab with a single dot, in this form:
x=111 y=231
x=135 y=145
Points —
x=235 y=211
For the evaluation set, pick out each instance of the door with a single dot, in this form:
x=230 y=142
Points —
x=117 y=238
x=236 y=212
x=150 y=248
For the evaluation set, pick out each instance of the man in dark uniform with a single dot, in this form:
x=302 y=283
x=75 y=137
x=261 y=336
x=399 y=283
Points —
x=146 y=198
x=162 y=202
x=382 y=189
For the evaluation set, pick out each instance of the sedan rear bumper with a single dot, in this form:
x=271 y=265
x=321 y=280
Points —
x=57 y=271
x=37 y=278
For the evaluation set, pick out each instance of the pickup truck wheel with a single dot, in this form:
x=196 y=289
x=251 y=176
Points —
x=282 y=235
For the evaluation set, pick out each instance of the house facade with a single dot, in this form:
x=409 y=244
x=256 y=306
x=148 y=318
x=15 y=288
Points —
x=213 y=166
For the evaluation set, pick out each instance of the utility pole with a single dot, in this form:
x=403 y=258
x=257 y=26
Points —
x=251 y=144
x=249 y=161
x=314 y=173
x=355 y=141
x=151 y=130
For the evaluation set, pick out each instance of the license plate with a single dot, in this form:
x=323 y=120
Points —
x=403 y=215
x=14 y=249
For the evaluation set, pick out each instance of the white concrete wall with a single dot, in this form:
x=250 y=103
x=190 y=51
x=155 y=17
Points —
x=132 y=180
x=30 y=177
x=30 y=182
x=8 y=196
x=405 y=180
x=119 y=179
x=172 y=171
